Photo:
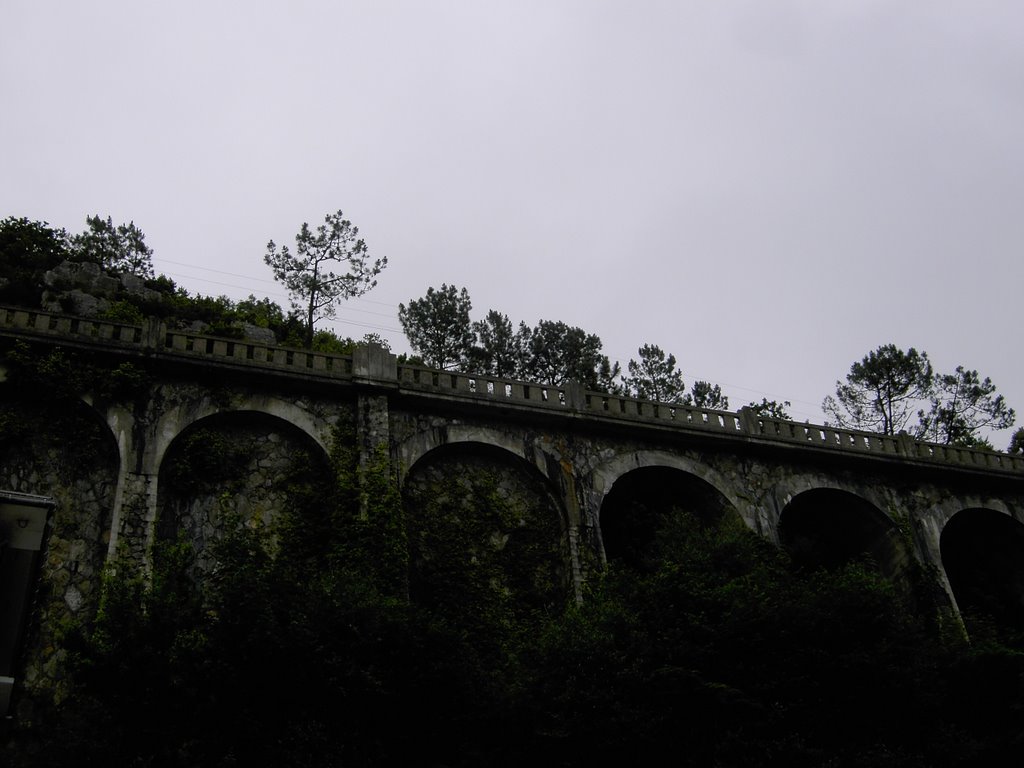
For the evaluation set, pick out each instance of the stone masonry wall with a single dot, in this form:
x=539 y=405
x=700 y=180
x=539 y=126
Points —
x=244 y=468
x=758 y=486
x=77 y=467
x=487 y=542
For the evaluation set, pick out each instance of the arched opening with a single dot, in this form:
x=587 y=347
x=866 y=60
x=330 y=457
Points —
x=488 y=549
x=243 y=467
x=648 y=509
x=983 y=556
x=829 y=528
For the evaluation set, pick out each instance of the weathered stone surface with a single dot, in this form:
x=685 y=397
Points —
x=256 y=333
x=487 y=541
x=84 y=276
x=248 y=482
x=77 y=468
x=86 y=304
x=85 y=289
x=500 y=462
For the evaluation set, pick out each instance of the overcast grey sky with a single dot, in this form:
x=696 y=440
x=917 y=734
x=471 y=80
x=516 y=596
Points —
x=769 y=190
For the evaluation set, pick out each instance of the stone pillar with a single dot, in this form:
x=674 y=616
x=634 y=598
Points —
x=906 y=445
x=134 y=523
x=133 y=520
x=153 y=332
x=573 y=522
x=375 y=374
x=373 y=430
x=575 y=395
x=749 y=421
x=371 y=362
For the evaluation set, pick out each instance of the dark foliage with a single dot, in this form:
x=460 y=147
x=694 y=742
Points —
x=120 y=248
x=303 y=649
x=27 y=250
x=438 y=327
x=771 y=409
x=885 y=390
x=45 y=385
x=556 y=353
x=655 y=376
x=727 y=655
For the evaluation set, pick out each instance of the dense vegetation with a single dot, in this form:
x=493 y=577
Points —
x=311 y=643
x=30 y=249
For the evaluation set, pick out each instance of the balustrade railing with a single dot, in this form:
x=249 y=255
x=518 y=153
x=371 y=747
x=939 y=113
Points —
x=677 y=414
x=155 y=336
x=483 y=387
x=828 y=436
x=256 y=353
x=568 y=397
x=75 y=327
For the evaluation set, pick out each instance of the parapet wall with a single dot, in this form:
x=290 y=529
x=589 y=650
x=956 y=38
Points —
x=375 y=367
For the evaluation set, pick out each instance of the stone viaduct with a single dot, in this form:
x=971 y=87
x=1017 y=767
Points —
x=827 y=494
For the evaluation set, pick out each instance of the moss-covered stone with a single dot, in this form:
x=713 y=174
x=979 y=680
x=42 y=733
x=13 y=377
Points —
x=487 y=545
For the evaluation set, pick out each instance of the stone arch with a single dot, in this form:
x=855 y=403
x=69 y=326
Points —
x=74 y=459
x=982 y=553
x=488 y=539
x=175 y=421
x=415 y=448
x=245 y=463
x=647 y=506
x=937 y=512
x=604 y=477
x=826 y=527
x=791 y=487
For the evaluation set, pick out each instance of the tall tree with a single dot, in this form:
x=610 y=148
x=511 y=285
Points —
x=120 y=248
x=307 y=274
x=961 y=405
x=557 y=353
x=771 y=409
x=655 y=376
x=883 y=391
x=499 y=349
x=438 y=326
x=704 y=394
